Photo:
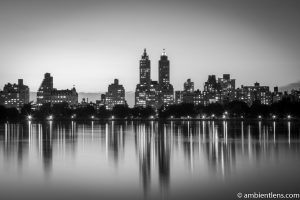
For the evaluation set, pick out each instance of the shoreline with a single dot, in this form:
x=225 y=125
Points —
x=152 y=119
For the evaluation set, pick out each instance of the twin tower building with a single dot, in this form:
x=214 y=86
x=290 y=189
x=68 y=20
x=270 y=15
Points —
x=148 y=93
x=152 y=93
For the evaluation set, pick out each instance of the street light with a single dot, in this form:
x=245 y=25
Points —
x=29 y=117
x=50 y=117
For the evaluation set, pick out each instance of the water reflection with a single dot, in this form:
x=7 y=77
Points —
x=161 y=152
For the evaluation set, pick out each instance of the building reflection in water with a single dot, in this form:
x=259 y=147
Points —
x=153 y=146
x=143 y=141
x=163 y=154
x=111 y=136
x=13 y=149
x=219 y=145
x=46 y=135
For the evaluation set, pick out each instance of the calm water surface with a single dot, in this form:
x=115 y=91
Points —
x=148 y=160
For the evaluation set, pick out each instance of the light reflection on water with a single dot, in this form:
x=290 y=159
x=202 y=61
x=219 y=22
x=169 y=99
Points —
x=122 y=160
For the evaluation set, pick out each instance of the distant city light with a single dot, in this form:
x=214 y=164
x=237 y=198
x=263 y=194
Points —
x=92 y=117
x=224 y=116
x=259 y=116
x=274 y=116
x=50 y=117
x=29 y=117
x=213 y=115
x=289 y=116
x=226 y=113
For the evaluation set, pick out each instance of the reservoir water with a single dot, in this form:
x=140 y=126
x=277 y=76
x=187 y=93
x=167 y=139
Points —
x=148 y=160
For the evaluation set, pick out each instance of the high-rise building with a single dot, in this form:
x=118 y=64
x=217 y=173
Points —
x=188 y=92
x=164 y=69
x=226 y=84
x=142 y=89
x=44 y=92
x=258 y=93
x=166 y=97
x=48 y=94
x=115 y=95
x=153 y=93
x=188 y=86
x=15 y=95
x=145 y=69
x=212 y=91
x=227 y=87
x=211 y=84
x=141 y=94
x=198 y=97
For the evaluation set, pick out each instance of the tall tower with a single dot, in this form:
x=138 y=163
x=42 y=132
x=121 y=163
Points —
x=164 y=69
x=166 y=89
x=145 y=70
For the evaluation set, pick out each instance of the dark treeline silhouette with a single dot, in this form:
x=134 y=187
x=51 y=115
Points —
x=63 y=111
x=234 y=109
x=8 y=113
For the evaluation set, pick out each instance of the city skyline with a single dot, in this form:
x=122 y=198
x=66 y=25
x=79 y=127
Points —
x=149 y=99
x=181 y=85
x=89 y=44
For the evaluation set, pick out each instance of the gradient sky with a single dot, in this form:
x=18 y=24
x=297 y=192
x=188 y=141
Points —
x=89 y=43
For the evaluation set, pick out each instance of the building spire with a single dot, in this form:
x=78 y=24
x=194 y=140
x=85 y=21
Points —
x=164 y=52
x=145 y=52
x=145 y=56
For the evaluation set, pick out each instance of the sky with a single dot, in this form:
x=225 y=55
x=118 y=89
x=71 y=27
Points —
x=90 y=43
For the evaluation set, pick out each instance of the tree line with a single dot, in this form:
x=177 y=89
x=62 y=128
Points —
x=234 y=109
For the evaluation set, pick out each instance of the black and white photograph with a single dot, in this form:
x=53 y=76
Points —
x=149 y=99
